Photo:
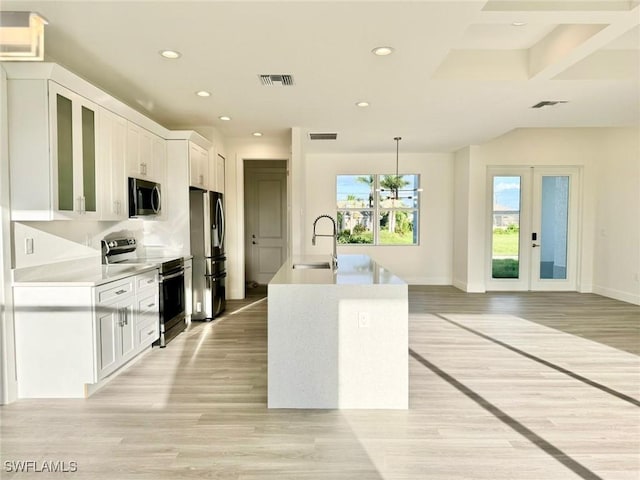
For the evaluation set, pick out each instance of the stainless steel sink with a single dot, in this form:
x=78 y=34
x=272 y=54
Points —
x=315 y=265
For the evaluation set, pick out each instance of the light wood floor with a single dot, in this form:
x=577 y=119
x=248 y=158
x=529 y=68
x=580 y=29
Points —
x=502 y=386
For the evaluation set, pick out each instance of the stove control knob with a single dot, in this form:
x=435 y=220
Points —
x=132 y=241
x=111 y=244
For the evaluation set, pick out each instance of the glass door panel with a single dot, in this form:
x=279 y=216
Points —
x=505 y=238
x=89 y=159
x=64 y=122
x=554 y=227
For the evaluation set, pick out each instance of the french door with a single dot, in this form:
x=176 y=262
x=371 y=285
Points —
x=533 y=241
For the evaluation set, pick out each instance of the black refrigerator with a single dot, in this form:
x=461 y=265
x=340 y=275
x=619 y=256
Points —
x=207 y=247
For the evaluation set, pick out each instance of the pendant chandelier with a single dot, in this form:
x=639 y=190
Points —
x=396 y=192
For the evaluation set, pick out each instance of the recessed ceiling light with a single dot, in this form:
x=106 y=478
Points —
x=382 y=51
x=224 y=118
x=519 y=24
x=362 y=104
x=172 y=54
x=203 y=93
x=257 y=134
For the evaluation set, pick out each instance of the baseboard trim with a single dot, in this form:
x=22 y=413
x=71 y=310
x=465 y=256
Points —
x=617 y=294
x=427 y=280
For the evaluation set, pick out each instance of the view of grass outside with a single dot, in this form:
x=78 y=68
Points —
x=505 y=262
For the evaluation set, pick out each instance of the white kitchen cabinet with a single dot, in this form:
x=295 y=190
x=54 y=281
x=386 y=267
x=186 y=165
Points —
x=146 y=154
x=147 y=324
x=198 y=166
x=69 y=338
x=112 y=148
x=52 y=152
x=219 y=176
x=115 y=304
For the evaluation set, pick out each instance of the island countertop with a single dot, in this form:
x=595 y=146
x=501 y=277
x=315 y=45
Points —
x=337 y=339
x=352 y=270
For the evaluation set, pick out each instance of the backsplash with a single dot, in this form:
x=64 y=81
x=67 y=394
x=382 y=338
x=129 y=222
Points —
x=58 y=241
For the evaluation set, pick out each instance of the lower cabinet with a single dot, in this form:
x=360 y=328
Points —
x=70 y=338
x=127 y=320
x=116 y=335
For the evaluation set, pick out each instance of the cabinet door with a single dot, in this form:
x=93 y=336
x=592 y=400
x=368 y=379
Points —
x=158 y=159
x=219 y=173
x=127 y=340
x=134 y=163
x=108 y=320
x=198 y=166
x=113 y=150
x=73 y=123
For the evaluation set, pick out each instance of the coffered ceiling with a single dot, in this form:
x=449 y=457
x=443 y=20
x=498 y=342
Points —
x=462 y=72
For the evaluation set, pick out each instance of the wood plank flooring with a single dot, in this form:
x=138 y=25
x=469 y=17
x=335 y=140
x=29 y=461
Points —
x=502 y=386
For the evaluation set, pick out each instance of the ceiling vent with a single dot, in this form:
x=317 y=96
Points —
x=548 y=103
x=276 y=79
x=323 y=136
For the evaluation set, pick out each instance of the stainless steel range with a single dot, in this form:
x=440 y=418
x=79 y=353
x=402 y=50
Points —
x=171 y=272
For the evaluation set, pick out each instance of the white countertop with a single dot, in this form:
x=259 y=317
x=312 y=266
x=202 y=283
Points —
x=352 y=270
x=78 y=273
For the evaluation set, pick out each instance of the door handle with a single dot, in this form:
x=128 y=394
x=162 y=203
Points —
x=254 y=242
x=534 y=245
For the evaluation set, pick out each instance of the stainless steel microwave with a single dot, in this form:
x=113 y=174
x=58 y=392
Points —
x=144 y=198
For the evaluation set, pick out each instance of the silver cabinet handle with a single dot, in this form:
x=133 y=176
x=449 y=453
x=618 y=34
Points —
x=151 y=304
x=120 y=292
x=150 y=332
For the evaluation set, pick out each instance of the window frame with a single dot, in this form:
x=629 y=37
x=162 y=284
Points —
x=377 y=209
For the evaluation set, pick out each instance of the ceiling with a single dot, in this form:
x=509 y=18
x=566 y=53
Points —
x=461 y=72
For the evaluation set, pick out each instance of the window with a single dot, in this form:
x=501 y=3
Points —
x=378 y=209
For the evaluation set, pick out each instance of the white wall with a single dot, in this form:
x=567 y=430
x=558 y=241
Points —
x=617 y=216
x=8 y=382
x=238 y=150
x=461 y=218
x=606 y=156
x=430 y=262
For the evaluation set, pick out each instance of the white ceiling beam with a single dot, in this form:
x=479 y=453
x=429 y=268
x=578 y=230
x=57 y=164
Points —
x=569 y=44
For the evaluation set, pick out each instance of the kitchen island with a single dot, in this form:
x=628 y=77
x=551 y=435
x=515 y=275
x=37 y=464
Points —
x=337 y=338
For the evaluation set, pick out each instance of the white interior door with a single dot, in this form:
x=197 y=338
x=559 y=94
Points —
x=266 y=221
x=533 y=228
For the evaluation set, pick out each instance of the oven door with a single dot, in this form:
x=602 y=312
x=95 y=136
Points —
x=172 y=306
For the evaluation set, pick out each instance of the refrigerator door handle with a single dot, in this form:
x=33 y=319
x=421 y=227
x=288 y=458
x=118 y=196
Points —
x=207 y=224
x=221 y=233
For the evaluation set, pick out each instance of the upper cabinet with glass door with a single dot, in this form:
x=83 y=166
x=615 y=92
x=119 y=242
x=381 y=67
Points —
x=52 y=151
x=73 y=139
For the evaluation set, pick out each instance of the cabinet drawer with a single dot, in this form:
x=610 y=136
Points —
x=148 y=332
x=115 y=290
x=149 y=305
x=147 y=280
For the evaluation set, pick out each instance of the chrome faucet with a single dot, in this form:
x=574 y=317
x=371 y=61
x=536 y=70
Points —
x=335 y=238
